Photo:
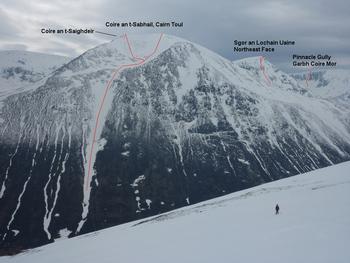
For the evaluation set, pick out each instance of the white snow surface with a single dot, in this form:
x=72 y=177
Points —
x=313 y=226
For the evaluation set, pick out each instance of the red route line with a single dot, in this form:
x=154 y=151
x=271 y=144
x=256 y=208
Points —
x=116 y=71
x=130 y=50
x=262 y=68
x=308 y=77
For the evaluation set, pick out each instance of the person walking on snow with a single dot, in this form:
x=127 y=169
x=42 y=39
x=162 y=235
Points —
x=277 y=208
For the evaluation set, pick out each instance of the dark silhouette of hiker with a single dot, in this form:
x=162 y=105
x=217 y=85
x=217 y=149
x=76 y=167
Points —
x=277 y=208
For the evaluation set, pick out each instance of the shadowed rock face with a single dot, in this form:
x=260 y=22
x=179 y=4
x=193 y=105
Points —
x=185 y=127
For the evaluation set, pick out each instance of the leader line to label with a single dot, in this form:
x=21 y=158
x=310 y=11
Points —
x=103 y=33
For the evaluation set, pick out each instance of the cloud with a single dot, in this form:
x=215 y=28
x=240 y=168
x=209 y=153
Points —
x=15 y=47
x=316 y=26
x=23 y=21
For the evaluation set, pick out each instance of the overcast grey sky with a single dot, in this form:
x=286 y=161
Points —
x=315 y=25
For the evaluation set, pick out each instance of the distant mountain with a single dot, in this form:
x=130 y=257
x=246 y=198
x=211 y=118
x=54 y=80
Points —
x=20 y=69
x=180 y=126
x=333 y=85
x=326 y=83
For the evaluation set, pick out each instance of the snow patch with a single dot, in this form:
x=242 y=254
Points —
x=15 y=232
x=243 y=161
x=126 y=153
x=64 y=233
x=138 y=180
x=148 y=202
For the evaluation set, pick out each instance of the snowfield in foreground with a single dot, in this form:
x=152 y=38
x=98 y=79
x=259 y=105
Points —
x=313 y=226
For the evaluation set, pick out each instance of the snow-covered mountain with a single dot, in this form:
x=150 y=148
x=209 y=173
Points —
x=326 y=83
x=149 y=123
x=20 y=69
x=313 y=226
x=332 y=85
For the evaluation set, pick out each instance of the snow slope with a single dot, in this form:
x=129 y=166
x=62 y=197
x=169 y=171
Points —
x=313 y=226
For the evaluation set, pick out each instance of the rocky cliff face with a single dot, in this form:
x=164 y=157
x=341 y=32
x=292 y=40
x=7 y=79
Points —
x=182 y=127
